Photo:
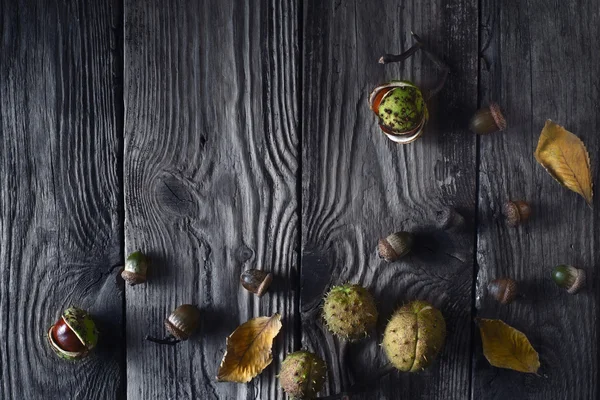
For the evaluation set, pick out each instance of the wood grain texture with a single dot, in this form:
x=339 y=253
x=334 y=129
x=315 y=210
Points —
x=357 y=186
x=210 y=183
x=537 y=64
x=60 y=229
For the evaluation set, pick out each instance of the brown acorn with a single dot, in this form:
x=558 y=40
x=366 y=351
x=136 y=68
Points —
x=395 y=246
x=183 y=321
x=256 y=281
x=504 y=290
x=516 y=212
x=181 y=324
x=569 y=277
x=488 y=120
x=449 y=220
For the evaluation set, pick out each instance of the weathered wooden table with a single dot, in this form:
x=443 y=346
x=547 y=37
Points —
x=222 y=135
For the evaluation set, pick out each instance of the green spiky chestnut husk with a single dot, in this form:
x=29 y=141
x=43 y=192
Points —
x=75 y=334
x=302 y=375
x=350 y=312
x=414 y=336
x=401 y=110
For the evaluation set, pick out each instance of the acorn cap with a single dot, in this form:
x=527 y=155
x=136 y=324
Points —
x=83 y=326
x=395 y=246
x=568 y=277
x=498 y=116
x=183 y=321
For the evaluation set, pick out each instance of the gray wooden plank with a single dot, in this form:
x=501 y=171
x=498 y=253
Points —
x=210 y=183
x=357 y=186
x=539 y=65
x=60 y=218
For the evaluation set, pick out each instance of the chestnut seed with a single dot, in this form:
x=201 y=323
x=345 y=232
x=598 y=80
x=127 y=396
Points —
x=256 y=281
x=488 y=120
x=74 y=335
x=503 y=290
x=65 y=338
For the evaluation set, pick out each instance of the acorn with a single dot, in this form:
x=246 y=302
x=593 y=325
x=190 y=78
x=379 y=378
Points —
x=256 y=281
x=74 y=335
x=504 y=290
x=395 y=246
x=488 y=120
x=450 y=220
x=569 y=277
x=135 y=269
x=516 y=212
x=302 y=375
x=181 y=324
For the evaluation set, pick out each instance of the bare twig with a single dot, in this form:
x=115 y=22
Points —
x=419 y=45
x=170 y=340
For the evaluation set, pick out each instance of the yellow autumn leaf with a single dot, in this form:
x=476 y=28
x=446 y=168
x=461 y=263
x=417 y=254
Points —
x=249 y=349
x=565 y=158
x=506 y=347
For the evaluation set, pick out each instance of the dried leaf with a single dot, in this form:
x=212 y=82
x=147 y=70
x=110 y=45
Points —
x=506 y=347
x=565 y=158
x=249 y=349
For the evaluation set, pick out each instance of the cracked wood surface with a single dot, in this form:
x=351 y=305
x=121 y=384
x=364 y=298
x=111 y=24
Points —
x=536 y=64
x=357 y=186
x=60 y=204
x=210 y=184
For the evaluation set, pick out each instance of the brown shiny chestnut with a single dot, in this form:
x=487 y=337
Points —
x=64 y=337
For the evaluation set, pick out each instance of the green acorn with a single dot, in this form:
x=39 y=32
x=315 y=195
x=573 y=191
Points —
x=74 y=335
x=302 y=375
x=568 y=277
x=350 y=312
x=414 y=336
x=136 y=267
